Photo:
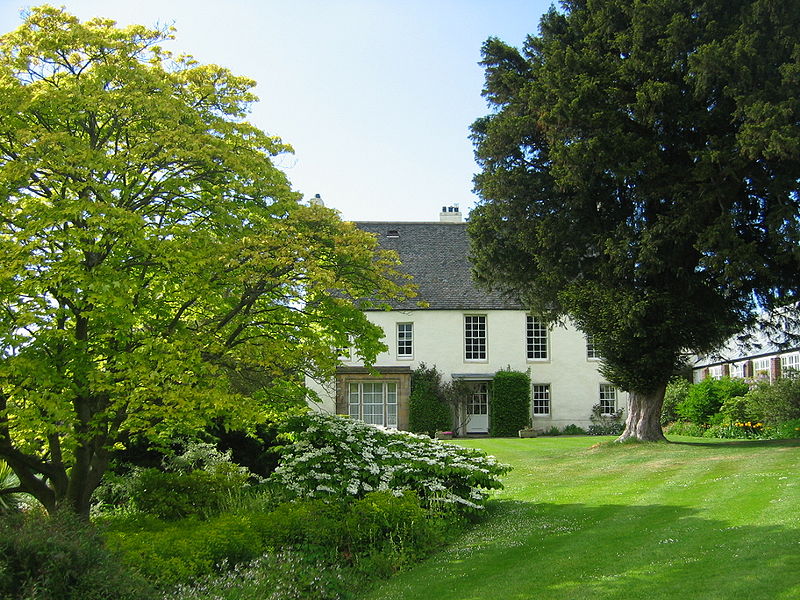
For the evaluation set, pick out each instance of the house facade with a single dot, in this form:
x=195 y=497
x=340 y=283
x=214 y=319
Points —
x=468 y=334
x=768 y=362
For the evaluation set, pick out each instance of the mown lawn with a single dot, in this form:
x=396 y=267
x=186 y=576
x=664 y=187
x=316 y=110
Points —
x=696 y=518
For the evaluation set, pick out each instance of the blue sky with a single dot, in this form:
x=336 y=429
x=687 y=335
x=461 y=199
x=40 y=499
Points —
x=375 y=96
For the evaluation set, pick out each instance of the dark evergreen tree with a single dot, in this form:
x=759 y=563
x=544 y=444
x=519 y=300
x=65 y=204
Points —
x=640 y=172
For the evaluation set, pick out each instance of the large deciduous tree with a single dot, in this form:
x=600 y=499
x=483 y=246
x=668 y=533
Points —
x=156 y=270
x=640 y=174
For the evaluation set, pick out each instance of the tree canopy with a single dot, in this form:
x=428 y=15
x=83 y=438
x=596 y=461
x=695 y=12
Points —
x=640 y=176
x=157 y=272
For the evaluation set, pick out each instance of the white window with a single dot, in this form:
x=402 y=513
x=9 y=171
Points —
x=540 y=397
x=761 y=366
x=536 y=334
x=479 y=401
x=345 y=353
x=716 y=372
x=608 y=399
x=790 y=364
x=405 y=340
x=591 y=349
x=738 y=369
x=374 y=402
x=475 y=337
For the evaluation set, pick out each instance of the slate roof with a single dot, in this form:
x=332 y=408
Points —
x=436 y=255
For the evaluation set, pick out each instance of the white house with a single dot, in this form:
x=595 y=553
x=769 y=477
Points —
x=468 y=334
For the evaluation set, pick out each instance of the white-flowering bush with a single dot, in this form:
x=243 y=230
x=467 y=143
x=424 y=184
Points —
x=335 y=457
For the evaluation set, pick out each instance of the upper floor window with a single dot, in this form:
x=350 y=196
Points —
x=475 y=337
x=591 y=349
x=536 y=335
x=540 y=398
x=608 y=399
x=405 y=340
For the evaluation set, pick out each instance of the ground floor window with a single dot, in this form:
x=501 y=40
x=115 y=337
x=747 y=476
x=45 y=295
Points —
x=608 y=399
x=374 y=402
x=540 y=397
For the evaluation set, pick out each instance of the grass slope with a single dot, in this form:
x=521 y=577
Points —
x=692 y=519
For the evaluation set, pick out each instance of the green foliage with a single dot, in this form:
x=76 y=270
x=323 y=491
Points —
x=510 y=403
x=601 y=156
x=705 y=399
x=334 y=458
x=776 y=402
x=748 y=430
x=179 y=495
x=786 y=430
x=676 y=392
x=685 y=428
x=604 y=423
x=168 y=553
x=61 y=557
x=573 y=429
x=9 y=501
x=284 y=575
x=157 y=273
x=381 y=524
x=428 y=411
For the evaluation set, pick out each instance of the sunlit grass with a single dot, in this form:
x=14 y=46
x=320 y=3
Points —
x=691 y=519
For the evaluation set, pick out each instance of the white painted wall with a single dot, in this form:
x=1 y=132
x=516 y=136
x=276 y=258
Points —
x=439 y=340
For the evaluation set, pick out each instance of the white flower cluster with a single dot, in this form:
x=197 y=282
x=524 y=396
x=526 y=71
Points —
x=335 y=456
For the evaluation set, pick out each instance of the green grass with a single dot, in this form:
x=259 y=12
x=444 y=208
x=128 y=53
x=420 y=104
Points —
x=707 y=519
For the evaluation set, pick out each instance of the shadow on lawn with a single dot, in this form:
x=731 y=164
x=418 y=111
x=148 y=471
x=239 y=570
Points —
x=791 y=443
x=577 y=551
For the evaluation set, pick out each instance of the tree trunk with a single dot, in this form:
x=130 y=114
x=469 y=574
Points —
x=644 y=417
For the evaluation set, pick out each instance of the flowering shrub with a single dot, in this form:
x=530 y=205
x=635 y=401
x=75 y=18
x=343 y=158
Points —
x=738 y=430
x=334 y=457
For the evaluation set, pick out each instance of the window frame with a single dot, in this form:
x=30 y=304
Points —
x=607 y=392
x=389 y=390
x=534 y=325
x=592 y=353
x=547 y=400
x=408 y=340
x=471 y=341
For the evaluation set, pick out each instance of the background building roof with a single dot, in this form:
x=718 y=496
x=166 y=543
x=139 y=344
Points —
x=436 y=255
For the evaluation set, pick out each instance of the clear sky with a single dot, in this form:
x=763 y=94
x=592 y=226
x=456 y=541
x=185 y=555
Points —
x=375 y=96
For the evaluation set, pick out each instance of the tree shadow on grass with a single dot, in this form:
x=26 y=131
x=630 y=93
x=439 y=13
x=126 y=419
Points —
x=576 y=551
x=790 y=443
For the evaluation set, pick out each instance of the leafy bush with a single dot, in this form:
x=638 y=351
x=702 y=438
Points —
x=284 y=575
x=573 y=429
x=428 y=411
x=61 y=557
x=510 y=403
x=705 y=399
x=334 y=457
x=553 y=431
x=776 y=402
x=380 y=523
x=676 y=392
x=179 y=495
x=605 y=423
x=737 y=430
x=685 y=428
x=784 y=431
x=168 y=553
